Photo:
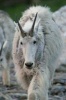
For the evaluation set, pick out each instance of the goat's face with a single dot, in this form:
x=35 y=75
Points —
x=29 y=43
x=29 y=46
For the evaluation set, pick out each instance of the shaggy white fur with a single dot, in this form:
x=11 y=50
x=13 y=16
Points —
x=49 y=47
x=6 y=38
x=60 y=18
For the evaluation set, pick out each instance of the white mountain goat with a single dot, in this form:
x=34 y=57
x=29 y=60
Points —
x=60 y=19
x=37 y=46
x=6 y=38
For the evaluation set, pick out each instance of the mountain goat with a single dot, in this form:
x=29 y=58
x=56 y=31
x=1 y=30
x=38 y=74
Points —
x=37 y=46
x=60 y=19
x=6 y=38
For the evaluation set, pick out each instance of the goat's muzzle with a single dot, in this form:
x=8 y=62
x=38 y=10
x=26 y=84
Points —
x=29 y=65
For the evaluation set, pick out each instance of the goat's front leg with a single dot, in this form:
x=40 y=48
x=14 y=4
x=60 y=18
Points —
x=6 y=77
x=38 y=89
x=6 y=74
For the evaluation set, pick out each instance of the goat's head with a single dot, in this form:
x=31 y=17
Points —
x=29 y=44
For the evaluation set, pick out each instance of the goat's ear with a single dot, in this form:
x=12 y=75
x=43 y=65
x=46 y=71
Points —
x=5 y=44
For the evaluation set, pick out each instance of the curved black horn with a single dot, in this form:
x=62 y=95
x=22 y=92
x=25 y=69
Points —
x=23 y=34
x=32 y=29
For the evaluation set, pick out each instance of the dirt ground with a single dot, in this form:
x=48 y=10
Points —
x=15 y=92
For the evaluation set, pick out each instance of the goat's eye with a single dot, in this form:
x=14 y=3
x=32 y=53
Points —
x=34 y=42
x=21 y=43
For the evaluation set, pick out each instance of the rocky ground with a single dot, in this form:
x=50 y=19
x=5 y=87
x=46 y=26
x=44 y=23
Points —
x=15 y=92
x=58 y=88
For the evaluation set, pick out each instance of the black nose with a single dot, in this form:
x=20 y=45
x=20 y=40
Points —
x=29 y=65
